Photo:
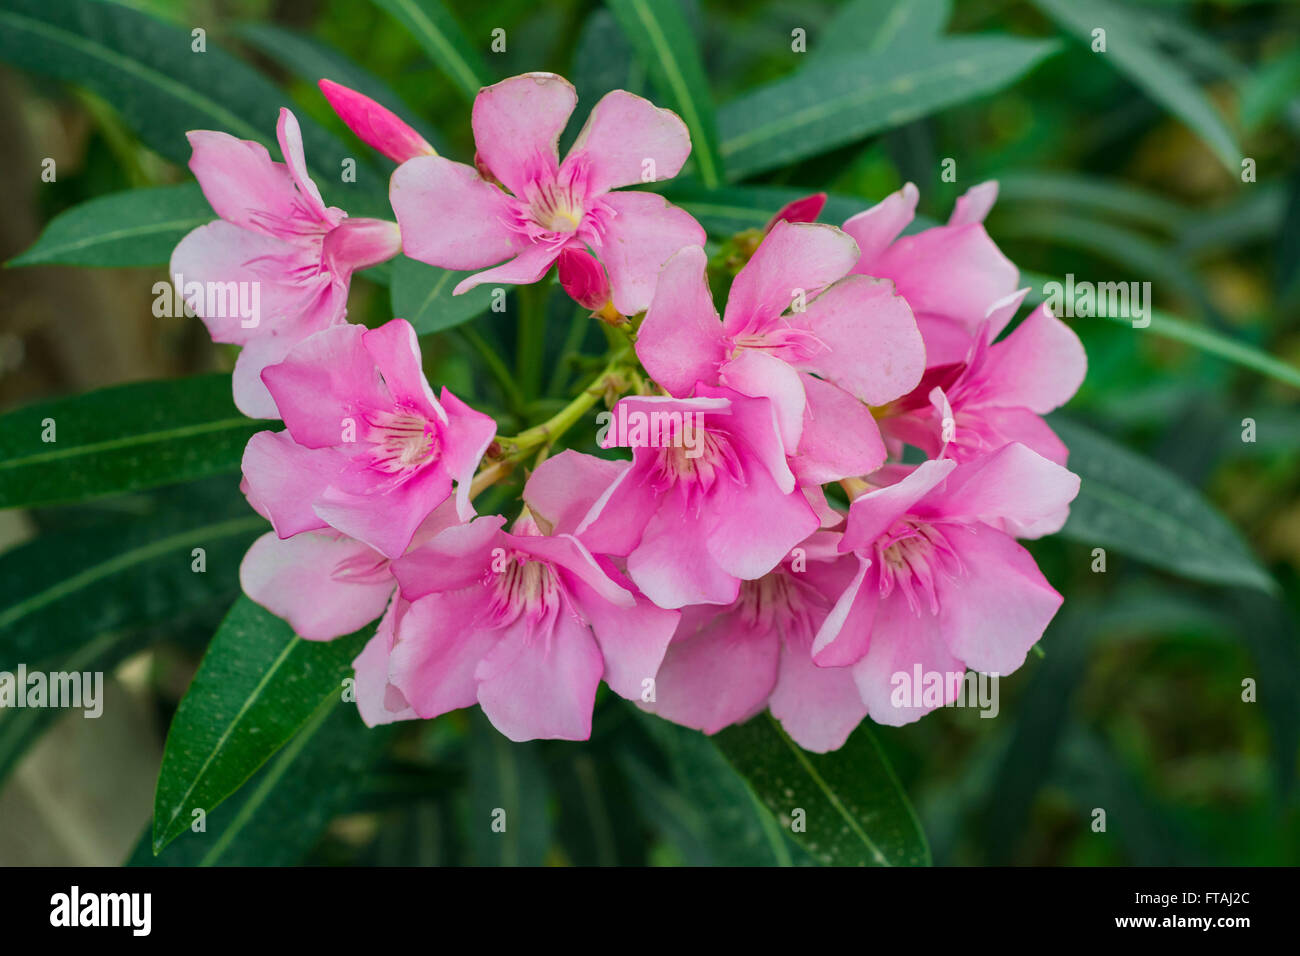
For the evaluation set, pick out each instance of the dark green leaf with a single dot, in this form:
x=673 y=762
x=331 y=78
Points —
x=258 y=684
x=139 y=227
x=870 y=26
x=422 y=295
x=855 y=812
x=437 y=31
x=120 y=439
x=508 y=821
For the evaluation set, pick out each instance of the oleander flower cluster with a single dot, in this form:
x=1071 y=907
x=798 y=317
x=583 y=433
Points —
x=804 y=491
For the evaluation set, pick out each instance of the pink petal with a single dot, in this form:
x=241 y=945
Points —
x=517 y=124
x=384 y=518
x=621 y=134
x=760 y=374
x=465 y=442
x=845 y=634
x=873 y=348
x=524 y=269
x=562 y=489
x=394 y=350
x=806 y=209
x=749 y=548
x=360 y=243
x=377 y=127
x=794 y=257
x=1039 y=366
x=378 y=701
x=974 y=204
x=643 y=235
x=674 y=565
x=839 y=439
x=450 y=217
x=531 y=687
x=456 y=558
x=240 y=180
x=439 y=645
x=283 y=479
x=875 y=228
x=818 y=706
x=306 y=580
x=1013 y=482
x=871 y=514
x=900 y=641
x=680 y=341
x=289 y=134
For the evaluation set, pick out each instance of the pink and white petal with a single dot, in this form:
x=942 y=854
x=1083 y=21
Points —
x=974 y=204
x=871 y=514
x=747 y=548
x=385 y=518
x=438 y=647
x=524 y=269
x=636 y=244
x=719 y=675
x=845 y=634
x=240 y=181
x=378 y=701
x=795 y=258
x=1012 y=482
x=1000 y=605
x=757 y=435
x=762 y=375
x=952 y=271
x=562 y=489
x=623 y=132
x=360 y=243
x=305 y=580
x=902 y=641
x=534 y=687
x=283 y=480
x=840 y=438
x=289 y=133
x=673 y=564
x=1039 y=366
x=680 y=341
x=517 y=125
x=575 y=564
x=632 y=640
x=875 y=228
x=615 y=522
x=947 y=341
x=1023 y=426
x=457 y=557
x=323 y=382
x=251 y=395
x=818 y=706
x=394 y=350
x=873 y=347
x=465 y=441
x=1003 y=311
x=450 y=216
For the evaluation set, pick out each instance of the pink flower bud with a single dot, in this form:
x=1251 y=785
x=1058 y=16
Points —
x=584 y=279
x=806 y=209
x=376 y=126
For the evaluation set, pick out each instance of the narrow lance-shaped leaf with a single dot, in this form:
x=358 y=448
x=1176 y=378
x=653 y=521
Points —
x=120 y=439
x=1163 y=79
x=258 y=684
x=437 y=31
x=1136 y=507
x=840 y=100
x=869 y=26
x=421 y=294
x=854 y=811
x=664 y=43
x=508 y=795
x=139 y=227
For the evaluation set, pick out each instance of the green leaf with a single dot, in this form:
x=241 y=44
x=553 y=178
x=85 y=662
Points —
x=120 y=439
x=257 y=685
x=421 y=294
x=1161 y=78
x=437 y=31
x=1136 y=507
x=139 y=227
x=313 y=61
x=665 y=44
x=841 y=100
x=870 y=26
x=278 y=817
x=731 y=209
x=855 y=811
x=1171 y=327
x=508 y=788
x=1273 y=88
x=1114 y=199
x=146 y=69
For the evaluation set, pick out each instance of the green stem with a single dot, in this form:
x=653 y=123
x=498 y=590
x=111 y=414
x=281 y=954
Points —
x=517 y=446
x=571 y=348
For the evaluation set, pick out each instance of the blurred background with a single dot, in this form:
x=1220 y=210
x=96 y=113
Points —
x=1136 y=705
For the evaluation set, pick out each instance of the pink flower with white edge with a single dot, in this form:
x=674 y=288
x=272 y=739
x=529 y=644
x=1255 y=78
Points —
x=726 y=664
x=368 y=449
x=707 y=501
x=460 y=217
x=375 y=125
x=953 y=276
x=797 y=329
x=939 y=585
x=997 y=395
x=524 y=624
x=277 y=247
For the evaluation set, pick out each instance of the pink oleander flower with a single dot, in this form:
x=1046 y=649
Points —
x=376 y=126
x=797 y=329
x=997 y=395
x=288 y=254
x=522 y=623
x=368 y=449
x=952 y=276
x=520 y=203
x=707 y=501
x=726 y=664
x=939 y=585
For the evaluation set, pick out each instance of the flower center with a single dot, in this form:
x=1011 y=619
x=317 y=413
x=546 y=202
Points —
x=402 y=441
x=912 y=557
x=696 y=465
x=777 y=600
x=525 y=587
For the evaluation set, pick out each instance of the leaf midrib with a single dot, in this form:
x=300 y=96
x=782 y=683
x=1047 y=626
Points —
x=129 y=441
